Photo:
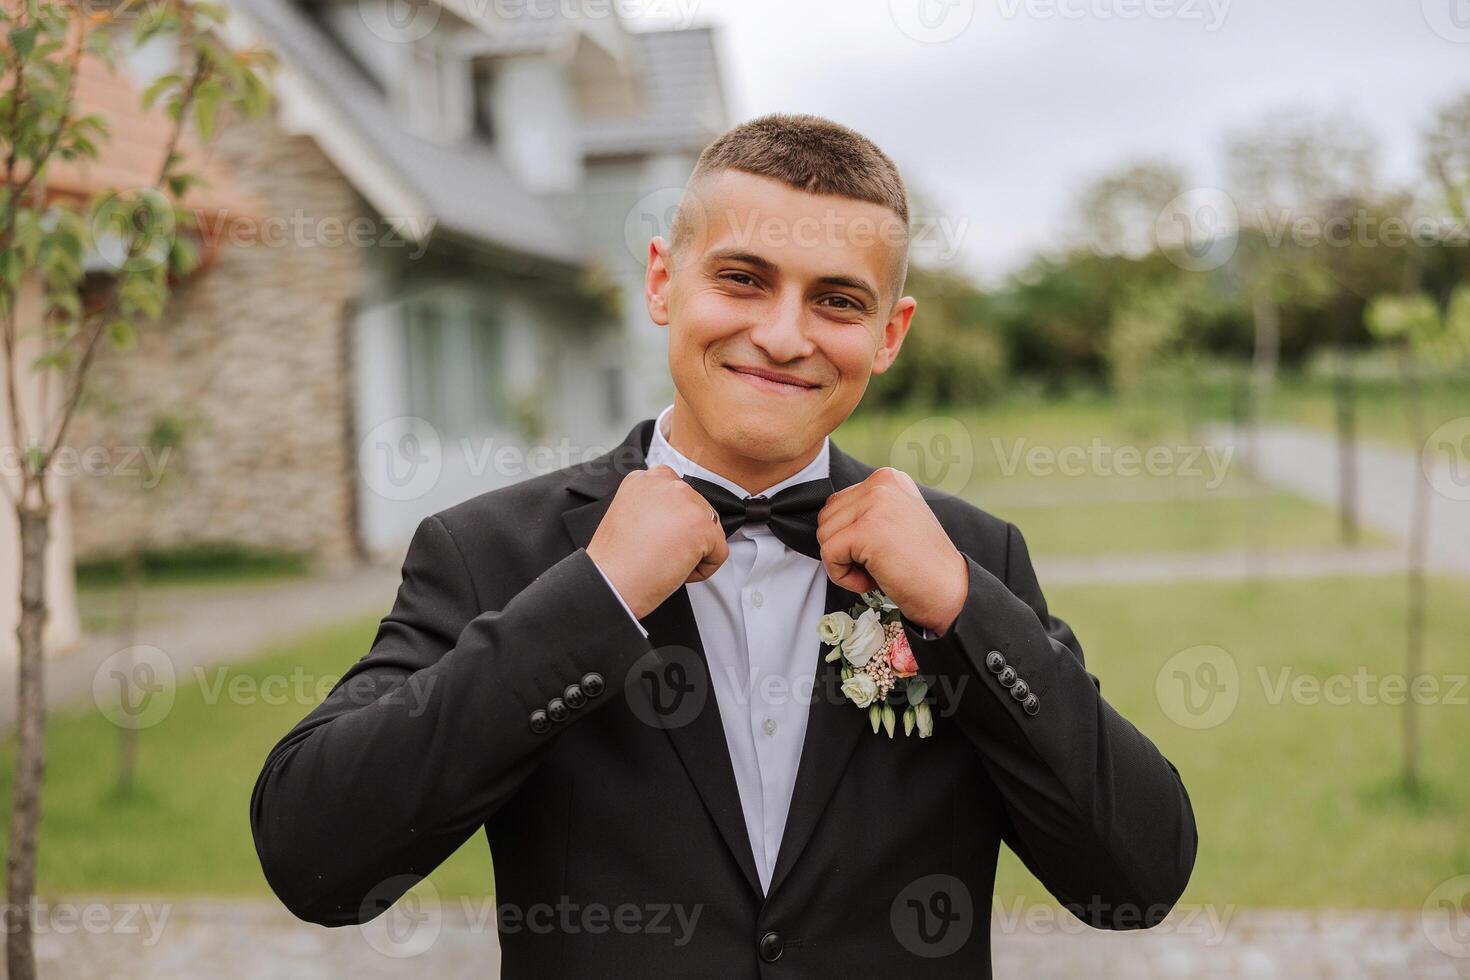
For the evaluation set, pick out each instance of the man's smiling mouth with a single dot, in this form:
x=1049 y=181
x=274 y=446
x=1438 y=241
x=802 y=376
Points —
x=776 y=381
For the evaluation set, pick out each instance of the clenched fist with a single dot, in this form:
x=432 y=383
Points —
x=657 y=534
x=881 y=534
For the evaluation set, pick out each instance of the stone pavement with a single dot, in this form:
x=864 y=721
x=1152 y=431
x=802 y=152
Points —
x=224 y=939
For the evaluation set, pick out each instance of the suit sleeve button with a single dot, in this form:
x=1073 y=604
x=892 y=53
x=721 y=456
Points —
x=1020 y=690
x=995 y=661
x=592 y=684
x=573 y=696
x=557 y=709
x=540 y=723
x=1007 y=676
x=1031 y=705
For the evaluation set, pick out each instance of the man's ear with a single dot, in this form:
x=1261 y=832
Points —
x=656 y=280
x=894 y=331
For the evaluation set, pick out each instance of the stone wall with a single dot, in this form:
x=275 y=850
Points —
x=253 y=356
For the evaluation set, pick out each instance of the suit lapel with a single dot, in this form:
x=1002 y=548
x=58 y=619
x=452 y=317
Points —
x=699 y=739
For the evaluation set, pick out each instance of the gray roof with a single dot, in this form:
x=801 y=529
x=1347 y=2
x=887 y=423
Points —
x=464 y=186
x=684 y=103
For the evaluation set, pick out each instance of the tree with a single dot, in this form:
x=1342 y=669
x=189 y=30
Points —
x=47 y=299
x=1120 y=210
x=1414 y=325
x=1447 y=154
x=1286 y=175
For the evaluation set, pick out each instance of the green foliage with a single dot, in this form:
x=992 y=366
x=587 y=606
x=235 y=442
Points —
x=952 y=354
x=138 y=236
x=206 y=561
x=1412 y=321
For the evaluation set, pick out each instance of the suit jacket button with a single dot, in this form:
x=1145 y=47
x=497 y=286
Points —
x=995 y=661
x=771 y=947
x=1031 y=705
x=573 y=696
x=557 y=709
x=1007 y=676
x=1020 y=690
x=592 y=683
x=540 y=723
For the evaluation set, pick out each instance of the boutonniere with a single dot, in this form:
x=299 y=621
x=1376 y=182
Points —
x=878 y=665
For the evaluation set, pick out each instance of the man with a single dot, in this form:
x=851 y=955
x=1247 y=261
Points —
x=614 y=669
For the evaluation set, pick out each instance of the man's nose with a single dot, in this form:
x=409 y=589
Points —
x=782 y=335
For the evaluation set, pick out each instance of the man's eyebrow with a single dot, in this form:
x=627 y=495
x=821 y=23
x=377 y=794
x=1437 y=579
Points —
x=767 y=266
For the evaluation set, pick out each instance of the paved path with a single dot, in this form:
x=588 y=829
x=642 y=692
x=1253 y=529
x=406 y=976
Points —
x=1230 y=565
x=227 y=939
x=205 y=625
x=1305 y=462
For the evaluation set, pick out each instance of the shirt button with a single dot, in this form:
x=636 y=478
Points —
x=756 y=599
x=770 y=726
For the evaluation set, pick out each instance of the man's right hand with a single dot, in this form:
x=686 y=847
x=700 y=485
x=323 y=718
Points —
x=656 y=535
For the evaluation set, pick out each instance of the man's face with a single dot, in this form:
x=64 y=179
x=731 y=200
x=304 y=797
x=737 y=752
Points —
x=780 y=305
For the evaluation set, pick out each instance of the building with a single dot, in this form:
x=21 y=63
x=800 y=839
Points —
x=443 y=294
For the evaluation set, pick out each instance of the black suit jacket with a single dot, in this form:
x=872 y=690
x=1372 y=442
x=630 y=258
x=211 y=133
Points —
x=509 y=690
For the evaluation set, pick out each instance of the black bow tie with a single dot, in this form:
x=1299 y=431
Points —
x=791 y=514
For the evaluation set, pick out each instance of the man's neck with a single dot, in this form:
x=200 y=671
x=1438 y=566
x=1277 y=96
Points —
x=689 y=438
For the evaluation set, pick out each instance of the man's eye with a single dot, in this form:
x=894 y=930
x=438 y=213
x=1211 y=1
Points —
x=740 y=278
x=848 y=304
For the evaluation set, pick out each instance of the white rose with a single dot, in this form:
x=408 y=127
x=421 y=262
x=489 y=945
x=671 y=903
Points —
x=867 y=638
x=860 y=689
x=835 y=627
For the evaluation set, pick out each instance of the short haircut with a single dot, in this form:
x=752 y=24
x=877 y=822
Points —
x=811 y=154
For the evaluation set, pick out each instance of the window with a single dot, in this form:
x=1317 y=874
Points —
x=454 y=363
x=436 y=96
x=424 y=353
x=614 y=403
x=484 y=81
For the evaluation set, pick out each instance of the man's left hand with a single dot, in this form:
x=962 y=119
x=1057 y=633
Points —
x=881 y=534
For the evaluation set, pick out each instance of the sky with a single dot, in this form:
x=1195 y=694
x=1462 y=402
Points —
x=999 y=112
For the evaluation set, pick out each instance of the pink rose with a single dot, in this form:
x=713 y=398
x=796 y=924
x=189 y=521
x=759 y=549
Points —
x=901 y=656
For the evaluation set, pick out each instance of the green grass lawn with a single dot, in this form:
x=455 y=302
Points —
x=1381 y=409
x=1090 y=475
x=1294 y=800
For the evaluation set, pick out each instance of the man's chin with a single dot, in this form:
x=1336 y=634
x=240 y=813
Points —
x=769 y=437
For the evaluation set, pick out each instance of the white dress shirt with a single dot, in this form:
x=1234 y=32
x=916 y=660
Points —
x=757 y=617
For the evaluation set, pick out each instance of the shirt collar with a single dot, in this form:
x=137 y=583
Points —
x=661 y=452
